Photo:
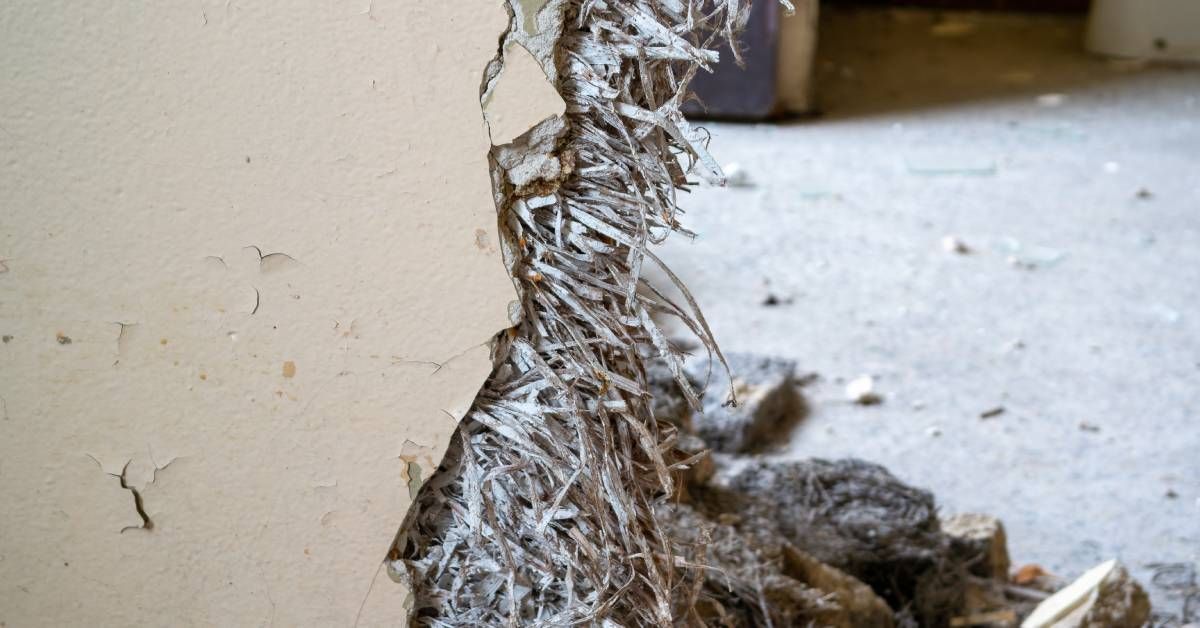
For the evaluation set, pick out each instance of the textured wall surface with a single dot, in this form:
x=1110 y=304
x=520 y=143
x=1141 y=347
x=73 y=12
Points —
x=248 y=275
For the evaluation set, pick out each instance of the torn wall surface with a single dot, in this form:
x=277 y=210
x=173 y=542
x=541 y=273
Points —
x=249 y=274
x=543 y=512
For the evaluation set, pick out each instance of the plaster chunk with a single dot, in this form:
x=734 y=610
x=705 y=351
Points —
x=532 y=158
x=538 y=25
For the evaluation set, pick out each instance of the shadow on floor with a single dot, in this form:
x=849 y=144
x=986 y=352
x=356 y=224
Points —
x=873 y=61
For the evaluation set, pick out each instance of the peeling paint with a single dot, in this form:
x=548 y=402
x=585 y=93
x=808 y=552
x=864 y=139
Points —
x=411 y=474
x=273 y=262
x=412 y=477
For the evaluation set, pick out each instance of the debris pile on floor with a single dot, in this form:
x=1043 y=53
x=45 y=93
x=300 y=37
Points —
x=760 y=580
x=769 y=542
x=853 y=516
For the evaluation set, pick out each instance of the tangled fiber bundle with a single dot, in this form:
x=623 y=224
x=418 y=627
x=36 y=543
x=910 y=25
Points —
x=542 y=512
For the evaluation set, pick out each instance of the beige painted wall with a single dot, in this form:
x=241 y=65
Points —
x=247 y=251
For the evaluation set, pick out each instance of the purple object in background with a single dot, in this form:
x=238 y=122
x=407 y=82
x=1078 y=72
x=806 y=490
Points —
x=749 y=92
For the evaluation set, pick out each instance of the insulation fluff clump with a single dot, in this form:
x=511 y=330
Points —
x=543 y=510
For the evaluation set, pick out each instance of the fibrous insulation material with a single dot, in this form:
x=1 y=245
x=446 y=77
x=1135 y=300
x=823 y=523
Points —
x=542 y=511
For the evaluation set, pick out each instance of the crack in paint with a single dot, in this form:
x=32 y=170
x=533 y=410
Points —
x=147 y=524
x=138 y=506
x=123 y=337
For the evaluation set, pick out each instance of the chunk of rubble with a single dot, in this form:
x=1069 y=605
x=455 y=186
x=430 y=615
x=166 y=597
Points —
x=740 y=584
x=1105 y=596
x=980 y=543
x=857 y=604
x=854 y=516
x=988 y=604
x=760 y=580
x=768 y=402
x=666 y=397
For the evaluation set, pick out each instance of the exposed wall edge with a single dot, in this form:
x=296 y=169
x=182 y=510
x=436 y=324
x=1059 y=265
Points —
x=541 y=512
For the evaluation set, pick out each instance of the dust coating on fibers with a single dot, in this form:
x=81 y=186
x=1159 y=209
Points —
x=542 y=512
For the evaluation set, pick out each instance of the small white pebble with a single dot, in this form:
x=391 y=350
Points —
x=737 y=177
x=952 y=244
x=1112 y=167
x=861 y=390
x=933 y=431
x=1016 y=262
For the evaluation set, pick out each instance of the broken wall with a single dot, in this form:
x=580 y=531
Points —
x=249 y=273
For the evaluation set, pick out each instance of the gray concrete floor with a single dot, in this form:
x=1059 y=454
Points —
x=1074 y=181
